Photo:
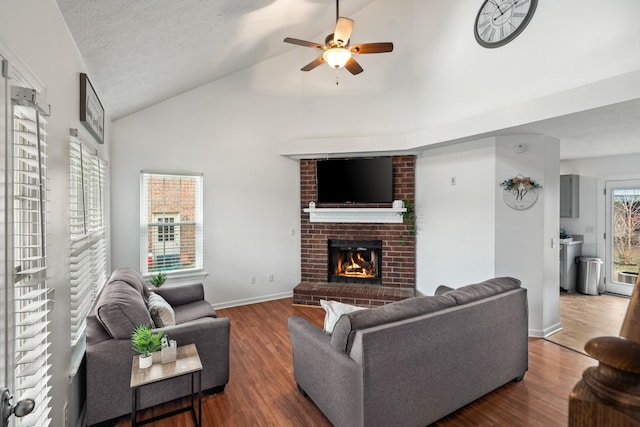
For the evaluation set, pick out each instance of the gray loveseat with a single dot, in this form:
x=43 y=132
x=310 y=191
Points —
x=411 y=362
x=120 y=307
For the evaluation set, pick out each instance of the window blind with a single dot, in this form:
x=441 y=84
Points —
x=88 y=255
x=170 y=223
x=31 y=300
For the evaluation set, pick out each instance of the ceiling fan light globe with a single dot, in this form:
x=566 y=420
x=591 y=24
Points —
x=336 y=57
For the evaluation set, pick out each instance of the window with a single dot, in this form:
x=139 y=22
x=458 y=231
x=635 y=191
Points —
x=88 y=257
x=30 y=294
x=171 y=223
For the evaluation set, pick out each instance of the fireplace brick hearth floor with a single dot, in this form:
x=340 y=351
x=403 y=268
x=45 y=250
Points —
x=349 y=293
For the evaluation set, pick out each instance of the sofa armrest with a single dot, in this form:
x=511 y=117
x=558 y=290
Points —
x=108 y=365
x=331 y=378
x=181 y=294
x=211 y=337
x=194 y=331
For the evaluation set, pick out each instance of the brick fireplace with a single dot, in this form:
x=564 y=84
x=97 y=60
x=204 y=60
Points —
x=397 y=255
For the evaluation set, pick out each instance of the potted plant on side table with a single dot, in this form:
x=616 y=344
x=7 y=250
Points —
x=145 y=342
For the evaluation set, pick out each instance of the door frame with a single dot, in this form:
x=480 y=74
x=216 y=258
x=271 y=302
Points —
x=611 y=285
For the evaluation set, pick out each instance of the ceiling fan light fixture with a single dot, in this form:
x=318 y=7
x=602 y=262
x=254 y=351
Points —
x=337 y=57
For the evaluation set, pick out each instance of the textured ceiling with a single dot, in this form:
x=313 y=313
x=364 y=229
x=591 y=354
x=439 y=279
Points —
x=141 y=52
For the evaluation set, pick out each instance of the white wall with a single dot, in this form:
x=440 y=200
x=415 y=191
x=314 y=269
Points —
x=466 y=233
x=550 y=56
x=441 y=85
x=524 y=246
x=36 y=31
x=455 y=223
x=227 y=131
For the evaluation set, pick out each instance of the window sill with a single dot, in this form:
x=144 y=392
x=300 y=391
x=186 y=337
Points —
x=181 y=278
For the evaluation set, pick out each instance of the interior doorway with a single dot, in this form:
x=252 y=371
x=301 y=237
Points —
x=622 y=236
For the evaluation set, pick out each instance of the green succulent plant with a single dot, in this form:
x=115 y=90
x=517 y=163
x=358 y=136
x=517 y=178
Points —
x=409 y=219
x=158 y=279
x=144 y=341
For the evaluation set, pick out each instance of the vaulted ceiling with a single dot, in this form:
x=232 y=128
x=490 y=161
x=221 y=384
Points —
x=141 y=52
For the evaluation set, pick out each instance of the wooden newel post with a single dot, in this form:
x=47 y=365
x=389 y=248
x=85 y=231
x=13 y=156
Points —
x=609 y=394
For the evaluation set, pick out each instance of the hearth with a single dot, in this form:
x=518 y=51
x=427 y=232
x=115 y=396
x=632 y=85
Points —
x=355 y=261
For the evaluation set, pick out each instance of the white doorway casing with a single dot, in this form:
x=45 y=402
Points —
x=612 y=284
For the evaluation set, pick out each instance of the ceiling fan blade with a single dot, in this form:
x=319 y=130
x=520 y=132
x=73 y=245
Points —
x=372 y=48
x=305 y=43
x=313 y=64
x=341 y=35
x=353 y=66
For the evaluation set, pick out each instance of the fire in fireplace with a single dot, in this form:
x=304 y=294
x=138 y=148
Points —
x=355 y=261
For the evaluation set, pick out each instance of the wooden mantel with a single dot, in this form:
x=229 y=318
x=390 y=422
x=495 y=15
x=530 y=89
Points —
x=356 y=215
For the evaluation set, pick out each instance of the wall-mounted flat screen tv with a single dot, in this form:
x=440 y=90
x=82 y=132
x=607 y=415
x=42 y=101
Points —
x=355 y=180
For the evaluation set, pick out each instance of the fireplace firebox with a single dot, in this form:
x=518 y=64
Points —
x=355 y=261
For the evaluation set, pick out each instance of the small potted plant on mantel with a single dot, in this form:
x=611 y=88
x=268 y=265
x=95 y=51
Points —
x=146 y=342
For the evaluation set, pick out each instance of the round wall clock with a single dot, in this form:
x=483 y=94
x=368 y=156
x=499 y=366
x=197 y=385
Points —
x=500 y=21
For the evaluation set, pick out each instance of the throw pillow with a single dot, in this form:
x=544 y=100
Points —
x=334 y=310
x=161 y=312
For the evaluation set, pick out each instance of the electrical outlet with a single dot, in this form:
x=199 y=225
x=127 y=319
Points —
x=252 y=280
x=453 y=180
x=270 y=277
x=292 y=231
x=589 y=229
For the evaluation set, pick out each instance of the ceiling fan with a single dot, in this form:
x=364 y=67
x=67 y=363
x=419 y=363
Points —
x=337 y=52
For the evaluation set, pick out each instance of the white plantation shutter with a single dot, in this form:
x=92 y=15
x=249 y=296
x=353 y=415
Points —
x=88 y=256
x=31 y=365
x=170 y=223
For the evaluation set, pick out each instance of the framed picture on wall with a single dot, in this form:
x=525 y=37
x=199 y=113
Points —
x=91 y=111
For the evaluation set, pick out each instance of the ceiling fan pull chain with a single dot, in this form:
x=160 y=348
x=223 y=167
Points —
x=337 y=75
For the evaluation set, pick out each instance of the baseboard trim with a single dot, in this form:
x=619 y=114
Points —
x=552 y=329
x=254 y=300
x=544 y=333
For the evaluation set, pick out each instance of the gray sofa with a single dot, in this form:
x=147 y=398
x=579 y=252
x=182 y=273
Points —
x=121 y=307
x=411 y=362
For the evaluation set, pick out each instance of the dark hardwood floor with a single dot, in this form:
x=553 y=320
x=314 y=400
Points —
x=262 y=392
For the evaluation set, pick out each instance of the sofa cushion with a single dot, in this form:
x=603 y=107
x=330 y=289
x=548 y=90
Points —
x=348 y=324
x=335 y=309
x=442 y=289
x=488 y=288
x=193 y=311
x=161 y=312
x=120 y=309
x=132 y=278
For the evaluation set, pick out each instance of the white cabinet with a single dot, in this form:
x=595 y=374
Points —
x=569 y=196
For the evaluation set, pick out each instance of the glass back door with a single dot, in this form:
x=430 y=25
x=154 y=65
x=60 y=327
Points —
x=623 y=235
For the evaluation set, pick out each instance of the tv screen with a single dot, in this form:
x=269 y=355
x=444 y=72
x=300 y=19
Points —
x=355 y=180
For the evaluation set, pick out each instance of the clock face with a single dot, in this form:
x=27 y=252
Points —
x=500 y=21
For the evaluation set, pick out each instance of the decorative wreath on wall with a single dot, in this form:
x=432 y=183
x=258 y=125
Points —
x=520 y=192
